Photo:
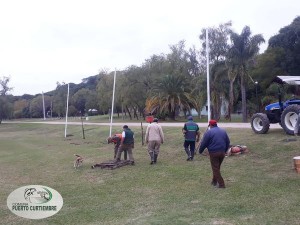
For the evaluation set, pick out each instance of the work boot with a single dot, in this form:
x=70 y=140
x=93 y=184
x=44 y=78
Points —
x=155 y=158
x=214 y=183
x=152 y=158
x=192 y=155
x=188 y=153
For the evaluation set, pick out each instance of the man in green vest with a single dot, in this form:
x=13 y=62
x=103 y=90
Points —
x=191 y=136
x=127 y=144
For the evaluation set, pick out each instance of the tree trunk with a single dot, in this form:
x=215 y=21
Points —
x=199 y=112
x=122 y=112
x=128 y=112
x=244 y=102
x=135 y=114
x=173 y=115
x=231 y=100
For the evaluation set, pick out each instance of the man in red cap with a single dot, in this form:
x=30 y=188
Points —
x=217 y=142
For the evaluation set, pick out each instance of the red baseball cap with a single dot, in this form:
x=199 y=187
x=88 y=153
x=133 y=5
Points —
x=212 y=122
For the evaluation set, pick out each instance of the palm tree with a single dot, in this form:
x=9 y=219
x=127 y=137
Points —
x=219 y=88
x=244 y=48
x=171 y=93
x=232 y=74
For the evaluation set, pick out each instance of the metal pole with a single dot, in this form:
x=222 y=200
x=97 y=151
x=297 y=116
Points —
x=83 y=136
x=112 y=104
x=43 y=106
x=207 y=72
x=67 y=111
x=258 y=109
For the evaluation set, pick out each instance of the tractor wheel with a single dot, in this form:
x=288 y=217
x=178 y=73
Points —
x=289 y=118
x=260 y=123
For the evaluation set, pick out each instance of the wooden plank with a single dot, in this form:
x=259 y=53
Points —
x=112 y=164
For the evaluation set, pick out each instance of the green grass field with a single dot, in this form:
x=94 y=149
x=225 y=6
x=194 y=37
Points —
x=262 y=186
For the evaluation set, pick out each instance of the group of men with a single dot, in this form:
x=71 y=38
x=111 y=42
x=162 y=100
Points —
x=215 y=140
x=123 y=142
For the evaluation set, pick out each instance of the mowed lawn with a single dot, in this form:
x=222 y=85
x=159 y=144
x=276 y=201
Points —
x=261 y=187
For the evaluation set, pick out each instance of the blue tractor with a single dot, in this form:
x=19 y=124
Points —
x=285 y=113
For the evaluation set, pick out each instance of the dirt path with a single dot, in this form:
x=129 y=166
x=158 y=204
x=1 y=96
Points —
x=224 y=125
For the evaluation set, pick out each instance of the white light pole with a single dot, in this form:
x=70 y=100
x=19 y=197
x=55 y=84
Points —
x=207 y=72
x=112 y=104
x=43 y=106
x=258 y=108
x=67 y=111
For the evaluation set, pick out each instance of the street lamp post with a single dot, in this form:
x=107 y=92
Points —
x=256 y=84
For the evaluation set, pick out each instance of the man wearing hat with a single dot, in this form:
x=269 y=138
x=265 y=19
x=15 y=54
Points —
x=217 y=142
x=191 y=136
x=116 y=140
x=154 y=138
x=127 y=144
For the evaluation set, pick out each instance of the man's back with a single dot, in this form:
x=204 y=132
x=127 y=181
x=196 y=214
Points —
x=191 y=130
x=154 y=132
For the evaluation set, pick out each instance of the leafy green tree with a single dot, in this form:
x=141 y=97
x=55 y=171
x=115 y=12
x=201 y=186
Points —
x=6 y=107
x=171 y=93
x=178 y=60
x=199 y=93
x=85 y=99
x=36 y=106
x=218 y=39
x=4 y=88
x=59 y=100
x=288 y=40
x=21 y=107
x=243 y=50
x=133 y=90
x=219 y=88
x=105 y=91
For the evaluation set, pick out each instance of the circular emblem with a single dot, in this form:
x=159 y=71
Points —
x=34 y=202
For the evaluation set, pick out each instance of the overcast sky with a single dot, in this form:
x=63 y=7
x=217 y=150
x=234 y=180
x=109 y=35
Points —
x=42 y=42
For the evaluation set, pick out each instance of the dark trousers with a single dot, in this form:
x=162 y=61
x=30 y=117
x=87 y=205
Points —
x=116 y=151
x=216 y=159
x=189 y=147
x=128 y=149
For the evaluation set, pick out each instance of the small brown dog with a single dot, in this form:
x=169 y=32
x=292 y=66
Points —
x=78 y=161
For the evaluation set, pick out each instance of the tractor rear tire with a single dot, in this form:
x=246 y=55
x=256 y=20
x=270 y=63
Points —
x=260 y=123
x=289 y=118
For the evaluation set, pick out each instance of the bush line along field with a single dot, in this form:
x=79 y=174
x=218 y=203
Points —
x=261 y=187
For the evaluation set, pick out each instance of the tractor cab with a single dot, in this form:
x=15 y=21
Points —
x=285 y=113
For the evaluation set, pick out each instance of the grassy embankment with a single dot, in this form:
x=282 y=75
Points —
x=262 y=187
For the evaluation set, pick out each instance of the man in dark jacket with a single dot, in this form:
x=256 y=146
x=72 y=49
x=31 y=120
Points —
x=127 y=144
x=217 y=142
x=191 y=136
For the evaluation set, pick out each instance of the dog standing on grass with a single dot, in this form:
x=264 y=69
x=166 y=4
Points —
x=78 y=161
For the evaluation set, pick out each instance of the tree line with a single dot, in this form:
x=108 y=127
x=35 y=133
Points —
x=166 y=84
